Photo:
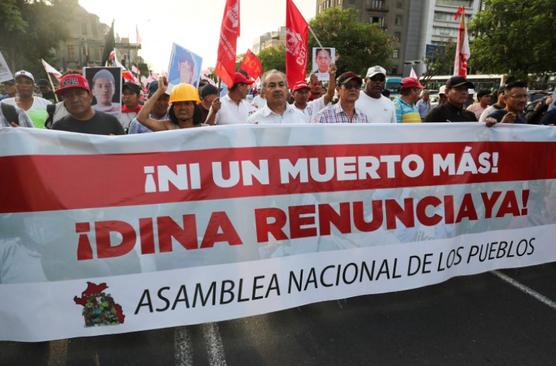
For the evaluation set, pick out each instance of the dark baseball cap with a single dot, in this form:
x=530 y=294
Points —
x=208 y=90
x=459 y=81
x=132 y=87
x=347 y=77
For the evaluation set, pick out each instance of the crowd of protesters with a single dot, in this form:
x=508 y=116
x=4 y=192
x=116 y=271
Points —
x=347 y=98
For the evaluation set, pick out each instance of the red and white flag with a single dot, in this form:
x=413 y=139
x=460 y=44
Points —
x=251 y=65
x=297 y=43
x=229 y=31
x=462 y=45
x=51 y=70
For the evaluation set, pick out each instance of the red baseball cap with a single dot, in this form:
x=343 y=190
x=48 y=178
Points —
x=300 y=85
x=72 y=81
x=239 y=78
x=408 y=83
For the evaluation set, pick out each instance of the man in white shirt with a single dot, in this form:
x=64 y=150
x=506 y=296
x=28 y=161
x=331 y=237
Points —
x=34 y=107
x=377 y=107
x=300 y=93
x=233 y=108
x=277 y=109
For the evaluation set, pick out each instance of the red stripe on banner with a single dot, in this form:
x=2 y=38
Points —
x=57 y=182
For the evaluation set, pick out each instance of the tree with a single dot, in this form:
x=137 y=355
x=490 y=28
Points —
x=441 y=62
x=31 y=30
x=273 y=58
x=358 y=45
x=515 y=37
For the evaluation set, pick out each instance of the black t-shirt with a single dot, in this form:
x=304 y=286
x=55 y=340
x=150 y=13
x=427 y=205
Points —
x=101 y=124
x=450 y=113
x=201 y=114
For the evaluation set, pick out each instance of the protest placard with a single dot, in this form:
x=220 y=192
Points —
x=322 y=58
x=151 y=231
x=185 y=67
x=106 y=87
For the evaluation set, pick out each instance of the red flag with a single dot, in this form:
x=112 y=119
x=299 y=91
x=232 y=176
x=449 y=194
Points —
x=297 y=42
x=251 y=65
x=462 y=46
x=229 y=31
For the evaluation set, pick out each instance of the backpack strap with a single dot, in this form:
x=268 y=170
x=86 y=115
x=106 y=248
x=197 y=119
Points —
x=50 y=109
x=10 y=113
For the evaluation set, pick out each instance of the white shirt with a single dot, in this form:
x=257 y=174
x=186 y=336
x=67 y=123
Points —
x=379 y=110
x=312 y=108
x=232 y=113
x=37 y=112
x=266 y=115
x=258 y=102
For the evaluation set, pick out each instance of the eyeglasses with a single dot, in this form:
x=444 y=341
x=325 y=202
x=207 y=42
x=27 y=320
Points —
x=352 y=86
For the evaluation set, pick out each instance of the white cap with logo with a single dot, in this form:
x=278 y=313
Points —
x=24 y=73
x=375 y=70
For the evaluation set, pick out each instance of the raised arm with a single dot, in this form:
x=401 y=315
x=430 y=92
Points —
x=331 y=84
x=143 y=115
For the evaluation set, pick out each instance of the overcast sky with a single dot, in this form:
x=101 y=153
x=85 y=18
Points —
x=193 y=24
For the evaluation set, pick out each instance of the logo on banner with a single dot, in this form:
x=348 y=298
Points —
x=99 y=307
x=295 y=46
x=233 y=16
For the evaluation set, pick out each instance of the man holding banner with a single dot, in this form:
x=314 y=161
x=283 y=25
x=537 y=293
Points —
x=277 y=109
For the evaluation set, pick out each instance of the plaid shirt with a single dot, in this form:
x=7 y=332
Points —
x=335 y=114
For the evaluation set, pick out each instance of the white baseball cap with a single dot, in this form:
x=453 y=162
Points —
x=374 y=70
x=24 y=73
x=442 y=89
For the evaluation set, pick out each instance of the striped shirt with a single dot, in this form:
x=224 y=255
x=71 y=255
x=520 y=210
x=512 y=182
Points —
x=405 y=112
x=336 y=114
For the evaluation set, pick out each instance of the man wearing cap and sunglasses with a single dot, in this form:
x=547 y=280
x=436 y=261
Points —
x=82 y=118
x=233 y=108
x=35 y=107
x=377 y=107
x=345 y=111
x=457 y=91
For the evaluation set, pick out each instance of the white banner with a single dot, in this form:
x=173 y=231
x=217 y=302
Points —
x=110 y=234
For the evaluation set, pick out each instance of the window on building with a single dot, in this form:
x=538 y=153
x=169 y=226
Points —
x=84 y=29
x=377 y=20
x=399 y=5
x=398 y=20
x=94 y=28
x=377 y=4
x=396 y=53
x=71 y=52
x=398 y=36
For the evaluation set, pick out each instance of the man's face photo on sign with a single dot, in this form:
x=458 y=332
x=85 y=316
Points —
x=322 y=58
x=105 y=83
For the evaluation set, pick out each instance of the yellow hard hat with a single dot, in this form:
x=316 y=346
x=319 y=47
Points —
x=184 y=93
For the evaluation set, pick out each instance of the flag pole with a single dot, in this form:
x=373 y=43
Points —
x=51 y=83
x=314 y=35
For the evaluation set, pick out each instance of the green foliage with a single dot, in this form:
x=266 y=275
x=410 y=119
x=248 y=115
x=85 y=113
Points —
x=515 y=37
x=273 y=58
x=31 y=30
x=358 y=45
x=441 y=62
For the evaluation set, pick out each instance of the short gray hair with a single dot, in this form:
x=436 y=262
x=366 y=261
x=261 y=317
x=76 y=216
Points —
x=274 y=71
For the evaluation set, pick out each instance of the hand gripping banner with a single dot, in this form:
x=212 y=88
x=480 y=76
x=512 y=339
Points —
x=113 y=234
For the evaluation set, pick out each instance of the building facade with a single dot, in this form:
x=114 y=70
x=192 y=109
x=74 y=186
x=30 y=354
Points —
x=270 y=39
x=85 y=46
x=416 y=26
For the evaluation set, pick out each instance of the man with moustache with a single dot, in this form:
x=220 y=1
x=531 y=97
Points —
x=277 y=109
x=349 y=85
x=515 y=96
x=82 y=118
x=233 y=108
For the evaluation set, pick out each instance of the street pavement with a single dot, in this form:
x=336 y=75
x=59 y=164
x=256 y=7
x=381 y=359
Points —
x=505 y=317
